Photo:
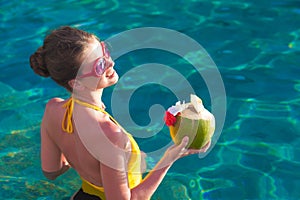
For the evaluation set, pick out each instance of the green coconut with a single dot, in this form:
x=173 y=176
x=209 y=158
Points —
x=195 y=122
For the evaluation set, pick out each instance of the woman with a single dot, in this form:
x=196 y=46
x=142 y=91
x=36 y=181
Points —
x=80 y=62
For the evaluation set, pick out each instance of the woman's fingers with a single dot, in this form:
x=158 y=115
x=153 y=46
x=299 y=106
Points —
x=206 y=147
x=184 y=141
x=182 y=146
x=197 y=151
x=178 y=151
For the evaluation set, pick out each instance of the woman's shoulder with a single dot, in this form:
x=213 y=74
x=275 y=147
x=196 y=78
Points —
x=54 y=105
x=55 y=102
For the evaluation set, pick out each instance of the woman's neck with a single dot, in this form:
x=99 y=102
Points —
x=91 y=97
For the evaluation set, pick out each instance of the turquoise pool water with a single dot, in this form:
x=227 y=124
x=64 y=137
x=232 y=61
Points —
x=256 y=46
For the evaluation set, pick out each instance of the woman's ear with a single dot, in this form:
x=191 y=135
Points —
x=71 y=83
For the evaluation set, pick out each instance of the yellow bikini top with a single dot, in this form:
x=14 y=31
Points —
x=134 y=164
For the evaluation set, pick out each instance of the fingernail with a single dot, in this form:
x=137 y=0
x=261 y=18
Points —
x=185 y=139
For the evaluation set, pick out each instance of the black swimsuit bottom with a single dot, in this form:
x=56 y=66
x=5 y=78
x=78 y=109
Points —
x=81 y=195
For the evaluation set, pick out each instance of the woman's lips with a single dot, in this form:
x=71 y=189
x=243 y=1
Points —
x=111 y=74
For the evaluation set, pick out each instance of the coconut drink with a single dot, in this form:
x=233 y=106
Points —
x=192 y=120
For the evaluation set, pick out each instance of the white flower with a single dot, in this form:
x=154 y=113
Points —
x=179 y=107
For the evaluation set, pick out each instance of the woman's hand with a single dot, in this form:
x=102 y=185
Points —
x=175 y=152
x=197 y=151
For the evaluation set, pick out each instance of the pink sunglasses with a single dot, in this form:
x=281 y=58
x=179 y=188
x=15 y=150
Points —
x=100 y=65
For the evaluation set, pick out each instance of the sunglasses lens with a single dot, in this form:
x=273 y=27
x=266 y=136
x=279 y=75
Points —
x=100 y=66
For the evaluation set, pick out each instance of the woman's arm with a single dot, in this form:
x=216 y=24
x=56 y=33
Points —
x=151 y=182
x=116 y=185
x=53 y=161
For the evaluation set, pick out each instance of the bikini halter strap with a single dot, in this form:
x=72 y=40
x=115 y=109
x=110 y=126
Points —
x=67 y=124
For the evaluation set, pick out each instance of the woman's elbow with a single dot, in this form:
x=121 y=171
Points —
x=55 y=174
x=50 y=175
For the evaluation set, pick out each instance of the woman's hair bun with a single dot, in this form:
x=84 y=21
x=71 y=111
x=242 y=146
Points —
x=37 y=63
